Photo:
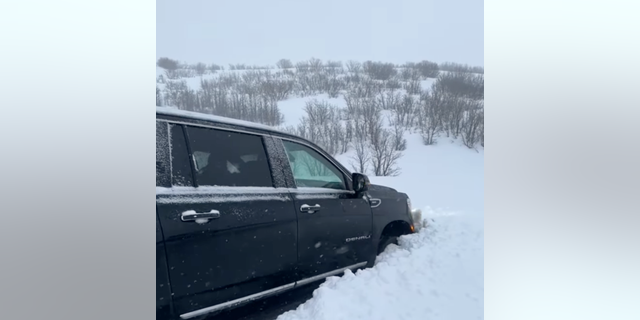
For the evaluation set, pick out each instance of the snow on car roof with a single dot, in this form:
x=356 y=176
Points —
x=170 y=111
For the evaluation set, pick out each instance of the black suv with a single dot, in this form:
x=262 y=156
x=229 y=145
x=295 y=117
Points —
x=244 y=211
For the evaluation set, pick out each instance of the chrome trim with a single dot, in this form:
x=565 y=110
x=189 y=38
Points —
x=267 y=293
x=231 y=303
x=213 y=126
x=328 y=274
x=377 y=201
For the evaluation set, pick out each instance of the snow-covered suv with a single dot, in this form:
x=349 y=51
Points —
x=244 y=211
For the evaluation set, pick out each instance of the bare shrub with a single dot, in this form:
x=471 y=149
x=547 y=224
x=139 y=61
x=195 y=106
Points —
x=284 y=64
x=334 y=86
x=428 y=69
x=276 y=89
x=302 y=66
x=410 y=74
x=179 y=95
x=362 y=156
x=158 y=97
x=413 y=87
x=388 y=100
x=398 y=129
x=379 y=70
x=472 y=127
x=322 y=126
x=392 y=84
x=429 y=120
x=354 y=66
x=457 y=67
x=201 y=68
x=366 y=88
x=460 y=84
x=167 y=64
x=173 y=91
x=384 y=156
x=180 y=73
x=405 y=110
x=315 y=65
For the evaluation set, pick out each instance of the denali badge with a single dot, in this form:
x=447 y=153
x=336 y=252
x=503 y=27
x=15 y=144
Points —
x=358 y=238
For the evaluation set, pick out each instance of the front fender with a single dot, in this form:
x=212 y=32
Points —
x=387 y=206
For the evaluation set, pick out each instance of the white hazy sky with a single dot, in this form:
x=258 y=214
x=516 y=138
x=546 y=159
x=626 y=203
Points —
x=260 y=32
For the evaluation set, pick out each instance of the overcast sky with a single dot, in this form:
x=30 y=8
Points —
x=260 y=32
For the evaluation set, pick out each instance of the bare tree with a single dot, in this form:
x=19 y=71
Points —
x=284 y=64
x=201 y=68
x=399 y=142
x=413 y=87
x=472 y=123
x=362 y=156
x=428 y=120
x=379 y=70
x=315 y=65
x=428 y=69
x=354 y=66
x=384 y=157
x=459 y=84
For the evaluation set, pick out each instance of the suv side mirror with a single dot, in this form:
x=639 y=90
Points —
x=360 y=182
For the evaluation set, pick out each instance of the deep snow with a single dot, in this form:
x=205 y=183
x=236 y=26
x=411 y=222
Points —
x=434 y=274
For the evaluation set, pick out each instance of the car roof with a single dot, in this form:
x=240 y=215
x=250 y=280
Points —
x=171 y=111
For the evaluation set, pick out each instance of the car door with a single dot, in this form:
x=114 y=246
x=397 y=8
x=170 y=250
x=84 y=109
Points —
x=334 y=225
x=229 y=231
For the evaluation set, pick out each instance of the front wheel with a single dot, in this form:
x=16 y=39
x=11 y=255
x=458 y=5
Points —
x=385 y=241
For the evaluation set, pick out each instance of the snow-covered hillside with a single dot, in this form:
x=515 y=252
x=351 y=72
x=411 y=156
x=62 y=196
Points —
x=434 y=274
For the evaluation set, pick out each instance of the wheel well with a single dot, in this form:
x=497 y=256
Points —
x=396 y=229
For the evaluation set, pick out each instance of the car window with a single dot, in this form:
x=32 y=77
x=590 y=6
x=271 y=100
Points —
x=223 y=158
x=311 y=169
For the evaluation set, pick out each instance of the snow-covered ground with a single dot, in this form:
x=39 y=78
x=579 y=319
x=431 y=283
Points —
x=437 y=273
x=434 y=274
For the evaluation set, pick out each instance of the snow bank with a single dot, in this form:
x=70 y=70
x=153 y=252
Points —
x=434 y=274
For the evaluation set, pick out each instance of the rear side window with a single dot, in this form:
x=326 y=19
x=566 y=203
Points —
x=223 y=158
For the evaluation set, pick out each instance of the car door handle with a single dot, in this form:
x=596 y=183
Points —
x=200 y=217
x=309 y=209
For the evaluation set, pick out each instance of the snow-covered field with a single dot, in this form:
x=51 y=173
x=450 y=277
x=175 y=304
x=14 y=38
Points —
x=437 y=273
